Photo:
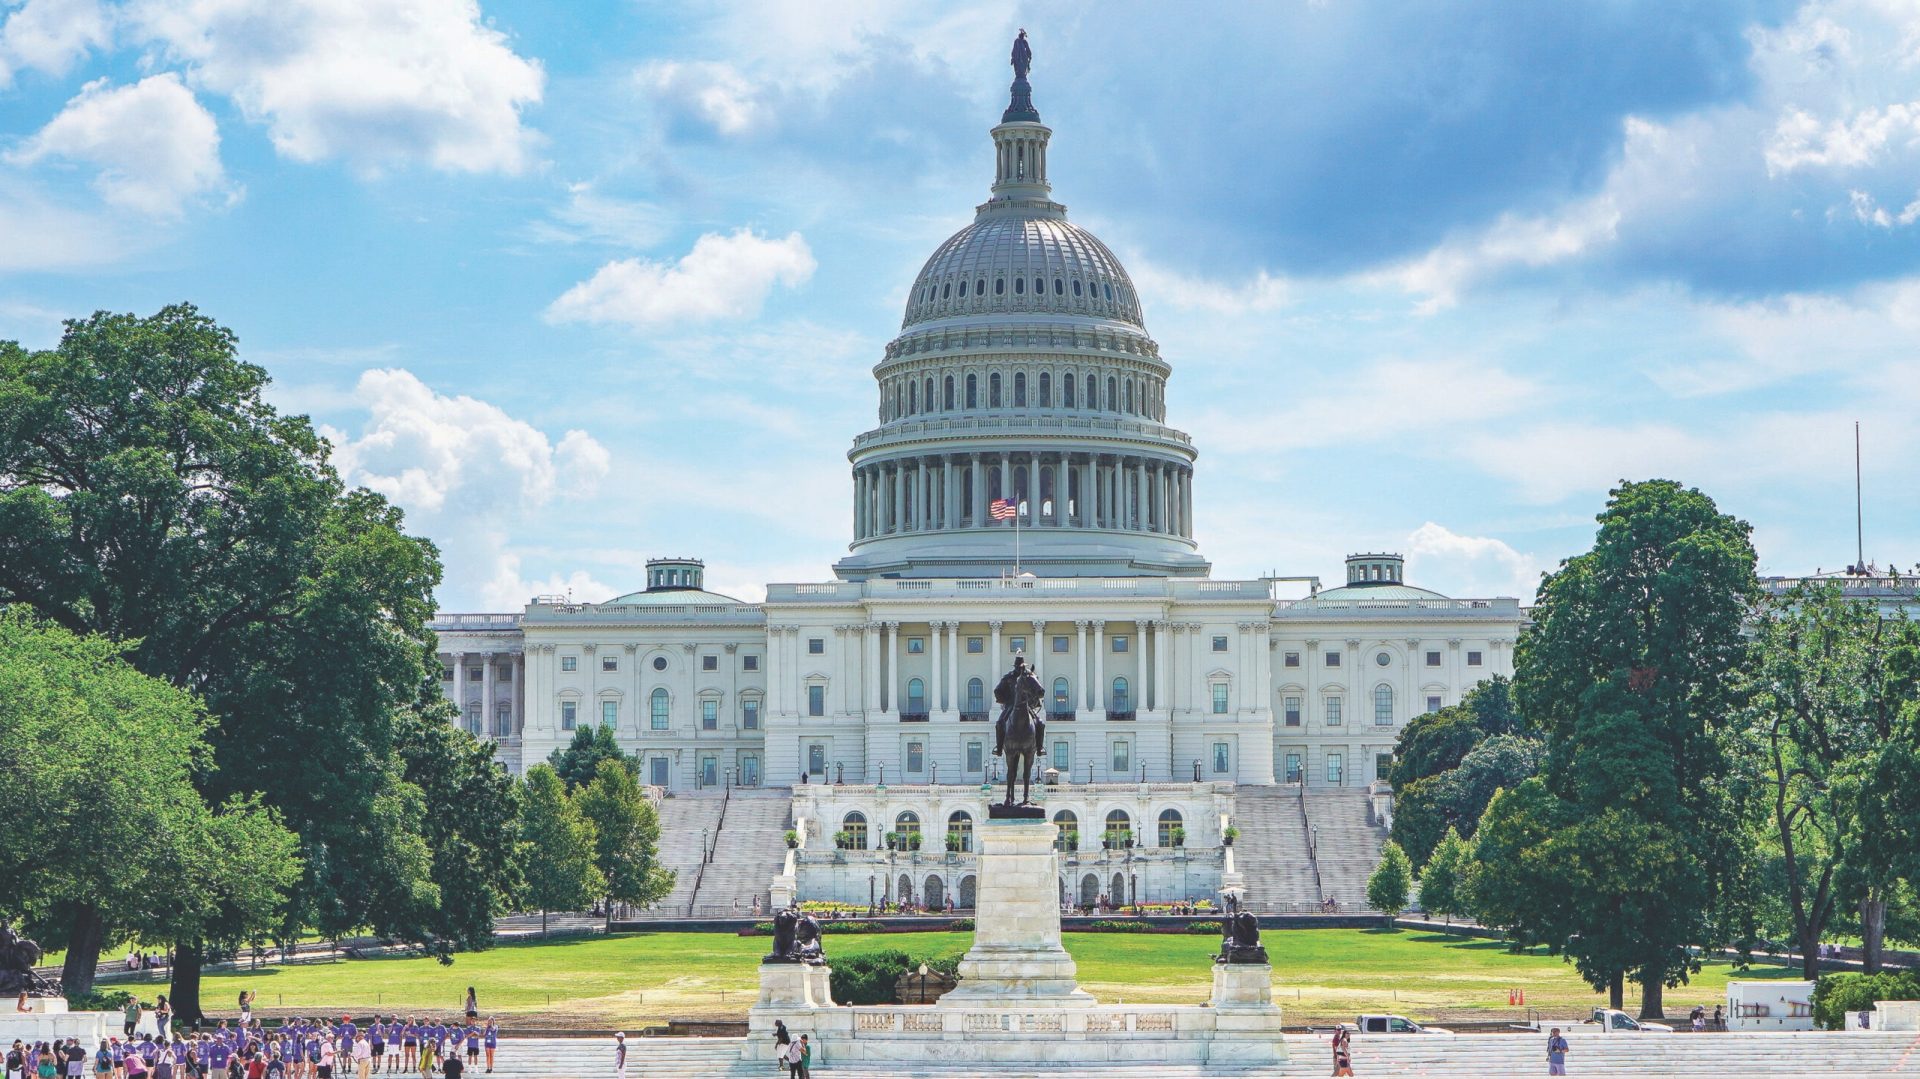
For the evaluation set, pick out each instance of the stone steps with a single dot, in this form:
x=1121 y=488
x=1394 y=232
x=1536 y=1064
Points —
x=684 y=819
x=1271 y=852
x=748 y=854
x=1349 y=844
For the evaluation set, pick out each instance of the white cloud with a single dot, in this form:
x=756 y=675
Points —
x=592 y=217
x=155 y=146
x=50 y=35
x=722 y=277
x=1511 y=242
x=1258 y=293
x=507 y=590
x=370 y=82
x=1868 y=211
x=1801 y=140
x=1457 y=565
x=712 y=92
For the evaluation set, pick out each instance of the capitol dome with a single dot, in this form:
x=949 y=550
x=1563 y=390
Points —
x=1025 y=263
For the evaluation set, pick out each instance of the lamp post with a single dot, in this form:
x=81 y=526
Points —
x=1196 y=771
x=729 y=785
x=870 y=883
x=883 y=777
x=935 y=781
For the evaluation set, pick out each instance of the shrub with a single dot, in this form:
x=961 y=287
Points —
x=1120 y=927
x=869 y=979
x=1834 y=995
x=961 y=925
x=1205 y=928
x=100 y=1000
x=852 y=927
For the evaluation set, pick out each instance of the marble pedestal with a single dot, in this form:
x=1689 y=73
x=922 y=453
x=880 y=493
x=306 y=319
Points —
x=1246 y=1025
x=1016 y=959
x=788 y=986
x=47 y=1020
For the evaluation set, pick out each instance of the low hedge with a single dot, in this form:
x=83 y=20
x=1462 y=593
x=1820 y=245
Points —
x=100 y=1000
x=870 y=978
x=1121 y=927
x=961 y=925
x=1834 y=995
x=1204 y=928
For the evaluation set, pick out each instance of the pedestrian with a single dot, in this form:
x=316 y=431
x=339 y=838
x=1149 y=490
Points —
x=1342 y=1052
x=246 y=1008
x=620 y=1055
x=17 y=1061
x=806 y=1058
x=362 y=1056
x=1719 y=1018
x=131 y=1013
x=162 y=1017
x=1698 y=1018
x=491 y=1039
x=473 y=1005
x=103 y=1063
x=76 y=1059
x=1556 y=1053
x=410 y=1034
x=376 y=1044
x=796 y=1060
x=781 y=1039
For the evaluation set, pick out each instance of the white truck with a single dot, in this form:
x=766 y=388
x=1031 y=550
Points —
x=1392 y=1024
x=1614 y=1021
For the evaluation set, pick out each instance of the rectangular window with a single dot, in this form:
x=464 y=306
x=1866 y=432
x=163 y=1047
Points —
x=1122 y=761
x=569 y=663
x=1062 y=756
x=609 y=713
x=1119 y=644
x=446 y=674
x=476 y=674
x=1433 y=659
x=816 y=700
x=1290 y=659
x=916 y=646
x=1383 y=707
x=816 y=646
x=1293 y=767
x=1473 y=659
x=1333 y=711
x=568 y=711
x=976 y=756
x=1382 y=765
x=504 y=674
x=1222 y=758
x=749 y=663
x=661 y=768
x=709 y=715
x=1292 y=711
x=1219 y=698
x=609 y=663
x=817 y=759
x=1219 y=644
x=916 y=757
x=1059 y=644
x=1433 y=704
x=750 y=714
x=709 y=663
x=1017 y=644
x=976 y=645
x=1333 y=659
x=1333 y=768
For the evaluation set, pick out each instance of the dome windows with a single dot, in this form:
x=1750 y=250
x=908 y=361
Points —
x=979 y=286
x=1020 y=390
x=963 y=290
x=1059 y=287
x=1076 y=289
x=1039 y=287
x=1019 y=286
x=993 y=390
x=1046 y=390
x=1109 y=290
x=999 y=286
x=946 y=292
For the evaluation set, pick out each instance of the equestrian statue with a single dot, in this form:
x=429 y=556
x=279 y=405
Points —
x=1018 y=735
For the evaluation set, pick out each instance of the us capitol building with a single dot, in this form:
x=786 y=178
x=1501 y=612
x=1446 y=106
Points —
x=1023 y=371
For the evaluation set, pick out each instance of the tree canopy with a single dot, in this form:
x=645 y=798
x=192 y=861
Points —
x=626 y=837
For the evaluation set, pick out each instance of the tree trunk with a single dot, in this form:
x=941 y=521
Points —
x=1809 y=953
x=1617 y=991
x=1653 y=990
x=1873 y=931
x=188 y=959
x=543 y=921
x=83 y=951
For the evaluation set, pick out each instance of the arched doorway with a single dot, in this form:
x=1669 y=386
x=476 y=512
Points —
x=1089 y=890
x=968 y=888
x=905 y=894
x=935 y=893
x=1117 y=895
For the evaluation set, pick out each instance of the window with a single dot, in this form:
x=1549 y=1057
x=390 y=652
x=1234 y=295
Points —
x=659 y=663
x=1293 y=767
x=1219 y=698
x=1333 y=768
x=973 y=392
x=1066 y=391
x=749 y=663
x=817 y=759
x=946 y=394
x=993 y=390
x=907 y=823
x=1059 y=644
x=1473 y=659
x=1433 y=659
x=750 y=713
x=916 y=696
x=976 y=645
x=916 y=757
x=657 y=709
x=1291 y=710
x=1019 y=286
x=1382 y=765
x=1068 y=836
x=1222 y=758
x=1219 y=644
x=504 y=674
x=1019 y=389
x=609 y=663
x=1062 y=755
x=1332 y=659
x=1062 y=699
x=1171 y=832
x=1433 y=703
x=1333 y=711
x=916 y=646
x=568 y=711
x=709 y=770
x=662 y=770
x=960 y=829
x=609 y=713
x=503 y=718
x=1381 y=659
x=816 y=646
x=1119 y=644
x=446 y=674
x=976 y=755
x=1118 y=822
x=816 y=700
x=1017 y=644
x=1119 y=702
x=976 y=696
x=473 y=719
x=1383 y=706
x=999 y=286
x=1122 y=759
x=476 y=674
x=709 y=663
x=710 y=714
x=855 y=825
x=1290 y=659
x=1046 y=390
x=569 y=663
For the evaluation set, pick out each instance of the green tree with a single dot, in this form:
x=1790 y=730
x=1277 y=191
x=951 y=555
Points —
x=626 y=828
x=1432 y=792
x=557 y=845
x=1629 y=668
x=579 y=761
x=153 y=496
x=1392 y=880
x=1443 y=883
x=1512 y=877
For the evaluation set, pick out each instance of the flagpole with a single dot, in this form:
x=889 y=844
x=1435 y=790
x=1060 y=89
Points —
x=1016 y=535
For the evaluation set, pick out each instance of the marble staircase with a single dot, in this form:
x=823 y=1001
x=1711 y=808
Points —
x=1348 y=845
x=1271 y=852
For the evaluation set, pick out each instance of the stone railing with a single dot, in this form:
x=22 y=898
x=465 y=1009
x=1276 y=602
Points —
x=1100 y=1022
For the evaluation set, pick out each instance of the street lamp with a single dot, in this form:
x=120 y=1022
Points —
x=935 y=782
x=883 y=777
x=870 y=883
x=1196 y=771
x=729 y=785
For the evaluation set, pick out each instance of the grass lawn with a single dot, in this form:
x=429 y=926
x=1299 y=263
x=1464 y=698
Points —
x=634 y=979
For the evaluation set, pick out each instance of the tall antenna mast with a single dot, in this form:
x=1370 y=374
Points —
x=1859 y=517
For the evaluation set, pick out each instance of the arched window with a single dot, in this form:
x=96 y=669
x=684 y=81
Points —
x=1108 y=288
x=1059 y=287
x=1069 y=825
x=946 y=395
x=1113 y=394
x=960 y=831
x=896 y=402
x=1019 y=286
x=976 y=696
x=1129 y=395
x=855 y=825
x=979 y=286
x=946 y=290
x=907 y=823
x=993 y=390
x=657 y=708
x=973 y=391
x=1020 y=389
x=963 y=290
x=999 y=286
x=1066 y=391
x=1119 y=827
x=1383 y=705
x=913 y=397
x=1090 y=401
x=1076 y=288
x=1120 y=702
x=1046 y=390
x=1062 y=698
x=1172 y=829
x=927 y=397
x=1039 y=286
x=916 y=696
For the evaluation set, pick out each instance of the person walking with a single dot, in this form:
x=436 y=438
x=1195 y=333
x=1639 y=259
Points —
x=363 y=1055
x=1342 y=1052
x=796 y=1060
x=1556 y=1053
x=162 y=1018
x=620 y=1055
x=473 y=1005
x=781 y=1039
x=491 y=1039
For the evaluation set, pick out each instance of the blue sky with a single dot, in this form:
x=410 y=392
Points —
x=581 y=283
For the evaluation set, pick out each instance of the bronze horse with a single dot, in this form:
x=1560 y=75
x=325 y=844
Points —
x=1022 y=731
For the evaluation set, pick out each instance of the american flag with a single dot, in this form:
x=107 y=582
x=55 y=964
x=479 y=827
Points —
x=1003 y=509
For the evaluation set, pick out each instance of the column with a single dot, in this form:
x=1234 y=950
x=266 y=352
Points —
x=890 y=683
x=837 y=704
x=1099 y=666
x=1085 y=681
x=1186 y=494
x=1140 y=685
x=1196 y=681
x=993 y=653
x=520 y=692
x=937 y=700
x=896 y=517
x=953 y=665
x=460 y=687
x=871 y=641
x=979 y=490
x=1162 y=690
x=920 y=500
x=486 y=696
x=1006 y=480
x=950 y=511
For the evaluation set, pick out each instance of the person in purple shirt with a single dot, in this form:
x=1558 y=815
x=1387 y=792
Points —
x=473 y=1043
x=492 y=1038
x=410 y=1042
